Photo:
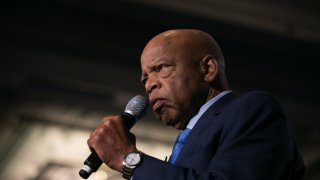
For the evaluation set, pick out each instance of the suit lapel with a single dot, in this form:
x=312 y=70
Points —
x=208 y=117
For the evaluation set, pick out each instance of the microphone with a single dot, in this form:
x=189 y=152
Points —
x=135 y=109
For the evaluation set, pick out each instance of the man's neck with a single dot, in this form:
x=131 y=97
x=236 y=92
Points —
x=205 y=107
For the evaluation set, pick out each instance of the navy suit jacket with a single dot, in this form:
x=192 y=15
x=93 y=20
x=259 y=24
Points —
x=245 y=138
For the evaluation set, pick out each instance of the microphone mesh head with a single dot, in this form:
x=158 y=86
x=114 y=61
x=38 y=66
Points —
x=137 y=106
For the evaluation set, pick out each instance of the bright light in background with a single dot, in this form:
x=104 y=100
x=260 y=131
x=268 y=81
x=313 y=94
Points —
x=50 y=151
x=47 y=145
x=100 y=175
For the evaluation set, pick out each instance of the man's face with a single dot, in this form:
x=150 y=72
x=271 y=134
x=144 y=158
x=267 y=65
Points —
x=173 y=82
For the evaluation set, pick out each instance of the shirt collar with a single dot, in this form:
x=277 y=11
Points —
x=204 y=108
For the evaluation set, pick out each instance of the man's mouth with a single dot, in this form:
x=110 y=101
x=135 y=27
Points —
x=157 y=104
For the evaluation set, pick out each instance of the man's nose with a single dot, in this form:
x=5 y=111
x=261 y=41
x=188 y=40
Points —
x=151 y=84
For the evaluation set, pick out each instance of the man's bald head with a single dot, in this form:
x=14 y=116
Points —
x=195 y=42
x=190 y=44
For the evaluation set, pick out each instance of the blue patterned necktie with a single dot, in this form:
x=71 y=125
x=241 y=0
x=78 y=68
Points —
x=178 y=145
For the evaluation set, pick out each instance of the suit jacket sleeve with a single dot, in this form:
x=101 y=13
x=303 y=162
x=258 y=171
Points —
x=249 y=139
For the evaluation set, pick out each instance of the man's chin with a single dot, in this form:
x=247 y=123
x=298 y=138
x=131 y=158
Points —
x=174 y=123
x=169 y=119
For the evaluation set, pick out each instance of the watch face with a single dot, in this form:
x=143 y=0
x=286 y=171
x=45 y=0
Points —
x=133 y=159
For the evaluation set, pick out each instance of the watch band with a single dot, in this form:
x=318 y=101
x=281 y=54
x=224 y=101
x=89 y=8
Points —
x=127 y=172
x=129 y=169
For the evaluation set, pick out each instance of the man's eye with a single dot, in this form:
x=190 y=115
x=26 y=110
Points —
x=160 y=67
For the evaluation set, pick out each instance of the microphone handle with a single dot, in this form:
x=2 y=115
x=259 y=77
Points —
x=93 y=162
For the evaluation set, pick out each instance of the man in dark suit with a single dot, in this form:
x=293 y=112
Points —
x=223 y=137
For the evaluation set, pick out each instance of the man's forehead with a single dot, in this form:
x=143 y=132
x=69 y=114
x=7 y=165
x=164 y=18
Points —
x=152 y=51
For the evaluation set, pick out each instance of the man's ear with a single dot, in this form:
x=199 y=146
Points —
x=209 y=67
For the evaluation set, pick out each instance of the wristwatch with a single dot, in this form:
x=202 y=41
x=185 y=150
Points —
x=130 y=162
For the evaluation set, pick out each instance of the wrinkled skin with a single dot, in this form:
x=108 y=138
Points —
x=111 y=140
x=177 y=69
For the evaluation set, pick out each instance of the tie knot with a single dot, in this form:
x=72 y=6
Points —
x=183 y=135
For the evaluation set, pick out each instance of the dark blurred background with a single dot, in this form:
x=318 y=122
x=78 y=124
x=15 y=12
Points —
x=65 y=64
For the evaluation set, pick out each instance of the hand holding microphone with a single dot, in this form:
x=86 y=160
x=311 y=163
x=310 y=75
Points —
x=111 y=140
